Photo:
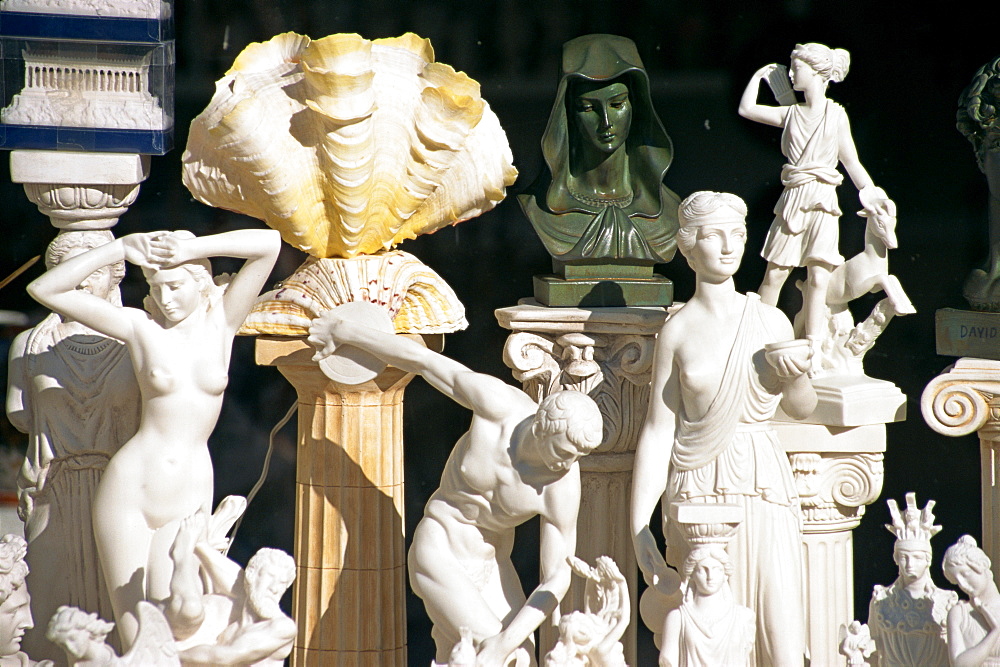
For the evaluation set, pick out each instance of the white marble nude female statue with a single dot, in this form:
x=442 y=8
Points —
x=816 y=138
x=706 y=437
x=180 y=350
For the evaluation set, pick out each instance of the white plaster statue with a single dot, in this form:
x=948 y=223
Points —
x=73 y=391
x=856 y=644
x=518 y=460
x=815 y=139
x=709 y=629
x=909 y=619
x=15 y=603
x=706 y=437
x=83 y=637
x=234 y=618
x=844 y=344
x=973 y=626
x=591 y=637
x=180 y=351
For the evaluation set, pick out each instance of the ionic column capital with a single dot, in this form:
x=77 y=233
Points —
x=964 y=398
x=835 y=487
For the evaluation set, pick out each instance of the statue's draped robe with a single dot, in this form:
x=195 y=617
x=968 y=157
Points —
x=716 y=642
x=732 y=455
x=84 y=405
x=908 y=631
x=806 y=217
x=973 y=627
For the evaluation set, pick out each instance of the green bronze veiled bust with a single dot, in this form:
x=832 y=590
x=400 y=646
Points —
x=600 y=200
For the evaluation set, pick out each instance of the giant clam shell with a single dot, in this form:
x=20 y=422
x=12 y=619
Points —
x=418 y=300
x=347 y=146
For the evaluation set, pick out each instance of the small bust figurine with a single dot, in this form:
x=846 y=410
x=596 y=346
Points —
x=908 y=620
x=977 y=121
x=15 y=603
x=709 y=629
x=973 y=626
x=600 y=199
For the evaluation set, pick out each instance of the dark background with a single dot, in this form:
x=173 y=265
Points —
x=908 y=68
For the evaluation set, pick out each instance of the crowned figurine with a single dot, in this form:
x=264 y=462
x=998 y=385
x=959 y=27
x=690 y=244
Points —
x=908 y=619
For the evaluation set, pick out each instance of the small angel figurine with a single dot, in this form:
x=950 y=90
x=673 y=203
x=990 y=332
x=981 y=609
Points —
x=591 y=637
x=83 y=636
x=856 y=644
x=973 y=626
x=816 y=138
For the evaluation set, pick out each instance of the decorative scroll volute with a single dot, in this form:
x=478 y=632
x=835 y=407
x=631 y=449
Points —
x=613 y=369
x=835 y=488
x=963 y=399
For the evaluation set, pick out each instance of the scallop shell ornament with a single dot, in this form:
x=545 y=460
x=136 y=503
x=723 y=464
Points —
x=348 y=146
x=417 y=299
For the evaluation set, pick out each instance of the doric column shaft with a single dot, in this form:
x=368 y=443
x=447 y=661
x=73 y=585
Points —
x=349 y=598
x=838 y=471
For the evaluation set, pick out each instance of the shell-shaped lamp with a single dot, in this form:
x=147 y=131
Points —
x=347 y=146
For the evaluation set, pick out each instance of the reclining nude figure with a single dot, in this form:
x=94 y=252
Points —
x=235 y=619
x=716 y=382
x=180 y=351
x=518 y=460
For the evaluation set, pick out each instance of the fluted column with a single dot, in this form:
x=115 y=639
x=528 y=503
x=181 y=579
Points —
x=963 y=399
x=838 y=471
x=349 y=598
x=606 y=353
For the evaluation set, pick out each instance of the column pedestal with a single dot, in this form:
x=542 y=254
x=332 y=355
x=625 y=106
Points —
x=349 y=598
x=964 y=399
x=838 y=471
x=80 y=191
x=606 y=353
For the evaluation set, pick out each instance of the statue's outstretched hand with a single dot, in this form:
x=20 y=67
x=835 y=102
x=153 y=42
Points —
x=491 y=654
x=654 y=568
x=323 y=334
x=876 y=204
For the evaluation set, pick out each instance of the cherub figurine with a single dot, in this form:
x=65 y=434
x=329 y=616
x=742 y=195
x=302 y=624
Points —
x=908 y=620
x=973 y=626
x=709 y=629
x=856 y=644
x=518 y=460
x=83 y=637
x=591 y=637
x=816 y=138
